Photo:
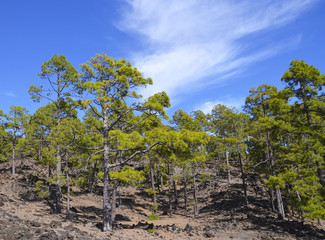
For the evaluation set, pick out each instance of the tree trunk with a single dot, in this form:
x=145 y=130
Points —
x=58 y=193
x=175 y=191
x=120 y=196
x=185 y=187
x=321 y=176
x=162 y=181
x=170 y=192
x=107 y=207
x=228 y=168
x=269 y=159
x=68 y=189
x=93 y=178
x=196 y=211
x=50 y=184
x=301 y=212
x=13 y=160
x=320 y=222
x=281 y=213
x=243 y=176
x=114 y=202
x=152 y=179
x=271 y=195
x=271 y=190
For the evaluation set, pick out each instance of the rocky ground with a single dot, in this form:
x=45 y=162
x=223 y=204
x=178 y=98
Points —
x=24 y=215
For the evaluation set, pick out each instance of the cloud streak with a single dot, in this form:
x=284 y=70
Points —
x=192 y=44
x=230 y=102
x=10 y=94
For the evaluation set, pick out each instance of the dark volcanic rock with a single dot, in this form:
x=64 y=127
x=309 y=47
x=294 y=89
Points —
x=13 y=228
x=49 y=235
x=188 y=228
x=55 y=224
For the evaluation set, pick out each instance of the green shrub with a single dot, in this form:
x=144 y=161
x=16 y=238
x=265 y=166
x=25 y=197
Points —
x=153 y=217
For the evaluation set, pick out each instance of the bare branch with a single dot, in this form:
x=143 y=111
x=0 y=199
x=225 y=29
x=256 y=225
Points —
x=96 y=112
x=256 y=165
x=135 y=154
x=49 y=80
x=85 y=148
x=136 y=124
x=93 y=155
x=118 y=119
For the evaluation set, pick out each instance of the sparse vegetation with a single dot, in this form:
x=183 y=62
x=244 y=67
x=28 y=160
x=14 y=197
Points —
x=97 y=136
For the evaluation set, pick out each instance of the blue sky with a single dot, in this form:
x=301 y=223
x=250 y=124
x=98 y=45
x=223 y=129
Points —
x=201 y=52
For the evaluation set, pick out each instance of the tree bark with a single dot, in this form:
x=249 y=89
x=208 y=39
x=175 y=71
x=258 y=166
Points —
x=120 y=196
x=152 y=179
x=320 y=222
x=271 y=195
x=58 y=193
x=281 y=213
x=50 y=184
x=228 y=168
x=175 y=191
x=162 y=181
x=243 y=176
x=114 y=202
x=170 y=192
x=196 y=211
x=93 y=177
x=185 y=188
x=301 y=212
x=107 y=207
x=68 y=189
x=13 y=160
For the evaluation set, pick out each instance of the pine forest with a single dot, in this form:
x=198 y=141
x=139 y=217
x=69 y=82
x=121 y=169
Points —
x=93 y=136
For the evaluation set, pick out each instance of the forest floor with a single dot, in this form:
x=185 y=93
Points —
x=222 y=214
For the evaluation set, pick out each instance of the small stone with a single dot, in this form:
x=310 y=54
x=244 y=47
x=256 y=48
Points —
x=35 y=224
x=151 y=226
x=55 y=224
x=89 y=225
x=209 y=234
x=188 y=228
x=173 y=227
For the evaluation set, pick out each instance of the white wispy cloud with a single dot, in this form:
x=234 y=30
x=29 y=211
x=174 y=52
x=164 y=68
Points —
x=10 y=94
x=230 y=102
x=188 y=41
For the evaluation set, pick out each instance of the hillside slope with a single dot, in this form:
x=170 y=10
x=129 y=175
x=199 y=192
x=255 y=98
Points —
x=24 y=215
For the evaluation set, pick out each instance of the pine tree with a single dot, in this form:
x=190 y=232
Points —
x=16 y=120
x=61 y=77
x=110 y=84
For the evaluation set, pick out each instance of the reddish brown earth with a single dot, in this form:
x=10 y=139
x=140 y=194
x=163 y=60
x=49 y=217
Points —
x=24 y=215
